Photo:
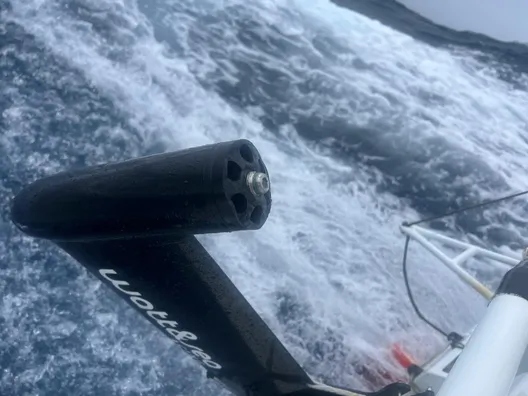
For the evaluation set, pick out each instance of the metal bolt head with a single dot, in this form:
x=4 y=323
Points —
x=258 y=183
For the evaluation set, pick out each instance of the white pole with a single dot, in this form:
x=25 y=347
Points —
x=452 y=265
x=488 y=364
x=500 y=257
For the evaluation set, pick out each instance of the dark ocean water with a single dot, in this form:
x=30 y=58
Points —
x=60 y=333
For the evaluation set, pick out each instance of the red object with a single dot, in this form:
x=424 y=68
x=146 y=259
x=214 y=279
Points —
x=401 y=356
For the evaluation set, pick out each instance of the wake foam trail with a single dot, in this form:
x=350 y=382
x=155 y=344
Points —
x=418 y=115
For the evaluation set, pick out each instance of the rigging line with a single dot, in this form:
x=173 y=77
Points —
x=409 y=293
x=453 y=337
x=479 y=205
